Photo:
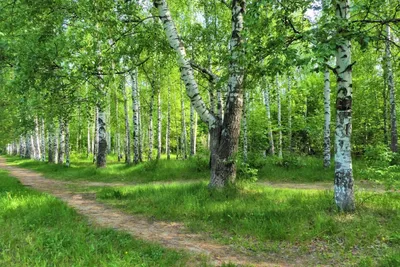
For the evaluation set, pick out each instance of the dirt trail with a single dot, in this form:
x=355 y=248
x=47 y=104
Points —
x=171 y=235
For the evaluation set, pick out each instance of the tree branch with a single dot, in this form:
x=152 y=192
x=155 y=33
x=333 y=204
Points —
x=208 y=73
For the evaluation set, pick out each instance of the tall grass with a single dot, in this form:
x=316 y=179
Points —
x=40 y=230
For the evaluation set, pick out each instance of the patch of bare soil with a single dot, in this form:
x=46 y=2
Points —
x=169 y=234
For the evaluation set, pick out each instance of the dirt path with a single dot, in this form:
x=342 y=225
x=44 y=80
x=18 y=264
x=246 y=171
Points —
x=171 y=235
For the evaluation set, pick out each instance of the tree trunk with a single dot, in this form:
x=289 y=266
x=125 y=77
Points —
x=150 y=129
x=67 y=144
x=52 y=139
x=327 y=119
x=168 y=130
x=127 y=126
x=159 y=121
x=96 y=134
x=136 y=118
x=183 y=127
x=118 y=136
x=278 y=96
x=89 y=143
x=22 y=146
x=392 y=93
x=36 y=141
x=193 y=131
x=28 y=146
x=43 y=141
x=61 y=138
x=102 y=137
x=290 y=141
x=344 y=191
x=245 y=140
x=225 y=135
x=268 y=110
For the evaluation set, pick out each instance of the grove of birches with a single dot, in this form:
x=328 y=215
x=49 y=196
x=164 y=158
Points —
x=235 y=80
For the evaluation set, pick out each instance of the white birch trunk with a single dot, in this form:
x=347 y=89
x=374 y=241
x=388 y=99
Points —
x=327 y=119
x=36 y=140
x=184 y=64
x=290 y=141
x=159 y=125
x=193 y=131
x=278 y=96
x=136 y=118
x=392 y=92
x=89 y=142
x=42 y=141
x=118 y=136
x=102 y=137
x=127 y=126
x=268 y=111
x=183 y=128
x=61 y=138
x=96 y=134
x=168 y=130
x=245 y=114
x=150 y=129
x=344 y=184
x=67 y=144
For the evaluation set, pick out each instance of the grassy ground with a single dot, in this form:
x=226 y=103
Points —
x=295 y=223
x=290 y=222
x=83 y=169
x=39 y=230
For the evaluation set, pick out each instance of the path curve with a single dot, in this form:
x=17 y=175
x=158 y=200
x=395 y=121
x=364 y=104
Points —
x=171 y=235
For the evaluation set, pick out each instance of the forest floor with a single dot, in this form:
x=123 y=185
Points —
x=169 y=234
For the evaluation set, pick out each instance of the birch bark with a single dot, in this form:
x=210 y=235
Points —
x=61 y=138
x=67 y=144
x=278 y=96
x=168 y=130
x=225 y=134
x=42 y=140
x=127 y=126
x=159 y=124
x=136 y=118
x=245 y=114
x=327 y=119
x=392 y=92
x=344 y=183
x=102 y=137
x=268 y=111
x=193 y=131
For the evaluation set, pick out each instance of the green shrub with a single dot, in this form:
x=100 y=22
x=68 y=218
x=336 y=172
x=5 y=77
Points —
x=378 y=154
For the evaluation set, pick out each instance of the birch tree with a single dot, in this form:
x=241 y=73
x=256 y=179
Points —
x=127 y=142
x=61 y=141
x=268 y=111
x=344 y=183
x=159 y=124
x=136 y=118
x=392 y=92
x=327 y=118
x=224 y=133
x=278 y=97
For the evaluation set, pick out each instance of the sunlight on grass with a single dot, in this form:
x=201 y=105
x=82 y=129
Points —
x=39 y=230
x=255 y=217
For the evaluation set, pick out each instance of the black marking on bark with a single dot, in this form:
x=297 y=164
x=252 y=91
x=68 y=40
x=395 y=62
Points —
x=344 y=104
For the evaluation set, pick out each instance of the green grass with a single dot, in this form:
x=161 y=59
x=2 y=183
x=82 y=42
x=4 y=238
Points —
x=251 y=217
x=40 y=230
x=83 y=169
x=269 y=220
